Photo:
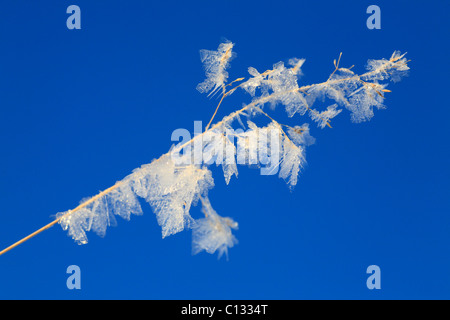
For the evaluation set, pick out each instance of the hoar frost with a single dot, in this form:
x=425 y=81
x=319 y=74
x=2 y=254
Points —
x=213 y=233
x=172 y=188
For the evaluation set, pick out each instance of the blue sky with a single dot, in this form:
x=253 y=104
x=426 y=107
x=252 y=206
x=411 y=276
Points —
x=81 y=108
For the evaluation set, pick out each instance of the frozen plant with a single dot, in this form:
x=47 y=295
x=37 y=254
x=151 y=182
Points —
x=173 y=187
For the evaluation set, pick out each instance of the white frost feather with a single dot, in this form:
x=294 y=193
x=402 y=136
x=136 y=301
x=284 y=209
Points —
x=213 y=233
x=215 y=64
x=171 y=191
x=99 y=214
x=322 y=118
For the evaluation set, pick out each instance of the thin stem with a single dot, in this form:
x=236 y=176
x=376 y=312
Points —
x=51 y=224
x=224 y=94
x=217 y=108
x=336 y=65
x=276 y=122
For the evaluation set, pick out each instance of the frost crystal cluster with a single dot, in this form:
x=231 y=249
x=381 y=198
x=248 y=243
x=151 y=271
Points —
x=172 y=185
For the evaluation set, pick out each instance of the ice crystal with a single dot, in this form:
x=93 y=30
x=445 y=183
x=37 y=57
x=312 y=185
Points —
x=215 y=64
x=213 y=233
